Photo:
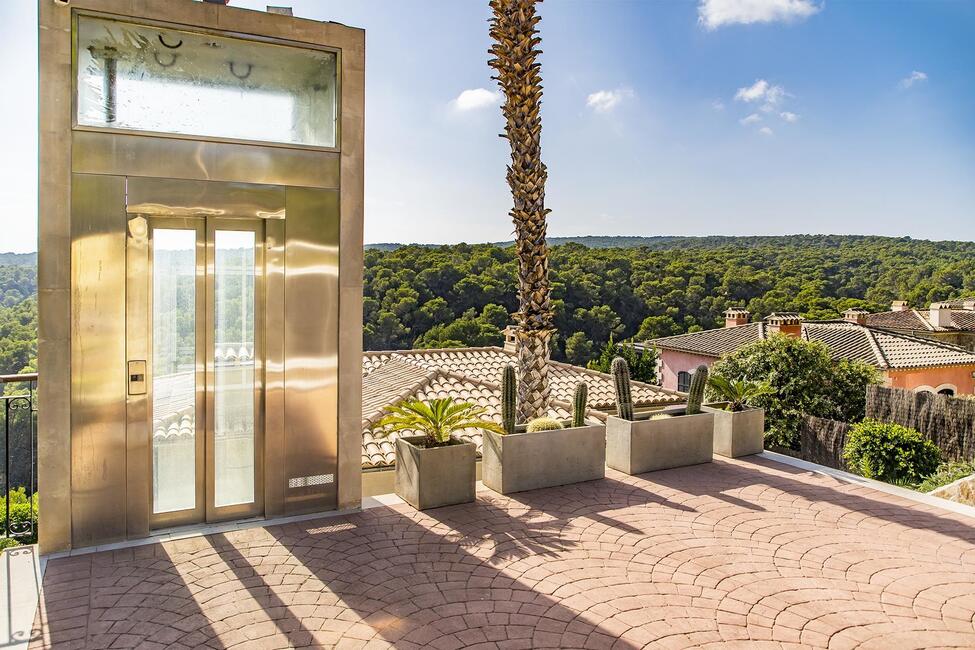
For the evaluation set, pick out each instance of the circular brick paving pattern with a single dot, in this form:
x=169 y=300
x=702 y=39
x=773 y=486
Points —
x=747 y=553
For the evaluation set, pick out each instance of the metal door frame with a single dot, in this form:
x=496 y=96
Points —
x=139 y=345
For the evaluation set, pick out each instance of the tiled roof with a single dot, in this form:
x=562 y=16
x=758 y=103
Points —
x=472 y=375
x=884 y=349
x=913 y=319
x=714 y=343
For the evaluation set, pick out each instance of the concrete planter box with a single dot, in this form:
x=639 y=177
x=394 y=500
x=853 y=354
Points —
x=434 y=477
x=528 y=461
x=648 y=445
x=738 y=434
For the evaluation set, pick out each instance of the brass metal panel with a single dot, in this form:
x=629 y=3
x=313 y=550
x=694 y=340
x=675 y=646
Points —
x=98 y=359
x=311 y=348
x=137 y=428
x=95 y=152
x=182 y=198
x=275 y=480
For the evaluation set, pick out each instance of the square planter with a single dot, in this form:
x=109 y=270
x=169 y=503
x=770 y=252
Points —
x=639 y=446
x=435 y=476
x=528 y=461
x=738 y=434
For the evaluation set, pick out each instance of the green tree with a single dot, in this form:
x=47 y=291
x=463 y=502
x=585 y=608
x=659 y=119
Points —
x=804 y=380
x=578 y=349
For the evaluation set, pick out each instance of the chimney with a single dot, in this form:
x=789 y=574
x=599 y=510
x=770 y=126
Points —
x=736 y=316
x=899 y=305
x=968 y=305
x=510 y=339
x=940 y=314
x=856 y=315
x=786 y=322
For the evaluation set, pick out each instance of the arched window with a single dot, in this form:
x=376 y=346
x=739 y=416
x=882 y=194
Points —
x=950 y=392
x=683 y=381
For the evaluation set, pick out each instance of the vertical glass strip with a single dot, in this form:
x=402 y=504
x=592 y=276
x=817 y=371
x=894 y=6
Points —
x=233 y=362
x=173 y=370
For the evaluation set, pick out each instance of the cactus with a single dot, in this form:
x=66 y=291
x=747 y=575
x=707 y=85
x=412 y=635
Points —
x=579 y=400
x=509 y=399
x=621 y=379
x=695 y=396
x=543 y=424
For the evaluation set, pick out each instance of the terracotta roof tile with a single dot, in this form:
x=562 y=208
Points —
x=885 y=349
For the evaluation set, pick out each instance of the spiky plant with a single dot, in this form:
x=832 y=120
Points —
x=515 y=53
x=509 y=399
x=738 y=393
x=543 y=424
x=621 y=381
x=579 y=400
x=437 y=419
x=695 y=395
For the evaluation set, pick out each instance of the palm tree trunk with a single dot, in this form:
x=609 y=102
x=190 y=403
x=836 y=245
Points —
x=515 y=51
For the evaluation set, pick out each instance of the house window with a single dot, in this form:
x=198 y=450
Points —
x=683 y=381
x=164 y=80
x=946 y=391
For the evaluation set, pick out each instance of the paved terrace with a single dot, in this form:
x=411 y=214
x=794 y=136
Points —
x=749 y=552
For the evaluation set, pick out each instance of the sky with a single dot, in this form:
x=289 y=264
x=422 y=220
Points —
x=685 y=117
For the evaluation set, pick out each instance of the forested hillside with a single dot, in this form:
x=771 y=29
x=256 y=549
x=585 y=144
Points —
x=462 y=294
x=423 y=296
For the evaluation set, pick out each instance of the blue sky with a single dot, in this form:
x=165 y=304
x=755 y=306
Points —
x=686 y=117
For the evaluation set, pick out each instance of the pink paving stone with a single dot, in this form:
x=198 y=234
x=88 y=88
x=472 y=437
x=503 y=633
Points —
x=747 y=552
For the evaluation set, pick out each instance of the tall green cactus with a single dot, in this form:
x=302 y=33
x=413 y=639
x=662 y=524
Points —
x=621 y=379
x=695 y=396
x=509 y=399
x=579 y=400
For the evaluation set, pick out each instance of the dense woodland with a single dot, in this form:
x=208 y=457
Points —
x=439 y=296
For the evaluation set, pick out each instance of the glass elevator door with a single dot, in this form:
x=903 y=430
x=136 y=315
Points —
x=203 y=378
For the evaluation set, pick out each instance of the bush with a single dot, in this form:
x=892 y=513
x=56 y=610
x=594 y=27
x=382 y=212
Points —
x=803 y=380
x=890 y=452
x=23 y=516
x=947 y=473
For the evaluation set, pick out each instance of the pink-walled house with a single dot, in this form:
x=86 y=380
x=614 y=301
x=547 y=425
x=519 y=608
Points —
x=906 y=361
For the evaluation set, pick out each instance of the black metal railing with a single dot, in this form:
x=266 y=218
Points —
x=19 y=407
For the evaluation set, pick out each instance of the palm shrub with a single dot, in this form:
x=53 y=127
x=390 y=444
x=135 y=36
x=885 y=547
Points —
x=695 y=396
x=890 y=452
x=436 y=419
x=739 y=394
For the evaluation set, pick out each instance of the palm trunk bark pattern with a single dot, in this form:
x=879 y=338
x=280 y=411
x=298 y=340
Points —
x=515 y=53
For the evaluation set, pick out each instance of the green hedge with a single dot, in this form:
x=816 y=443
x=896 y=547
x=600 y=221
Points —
x=890 y=452
x=22 y=512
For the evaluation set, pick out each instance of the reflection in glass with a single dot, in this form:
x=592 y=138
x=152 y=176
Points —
x=233 y=362
x=173 y=370
x=154 y=79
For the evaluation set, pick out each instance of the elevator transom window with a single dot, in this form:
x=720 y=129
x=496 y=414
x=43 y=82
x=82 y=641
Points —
x=147 y=78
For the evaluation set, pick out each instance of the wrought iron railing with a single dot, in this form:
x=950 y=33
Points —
x=19 y=407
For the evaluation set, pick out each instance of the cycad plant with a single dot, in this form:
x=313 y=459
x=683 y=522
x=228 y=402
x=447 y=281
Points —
x=436 y=419
x=738 y=393
x=515 y=59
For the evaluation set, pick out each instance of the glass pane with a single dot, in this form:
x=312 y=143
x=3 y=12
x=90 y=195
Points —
x=153 y=79
x=173 y=370
x=233 y=379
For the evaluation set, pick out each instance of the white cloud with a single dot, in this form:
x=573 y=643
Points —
x=717 y=105
x=474 y=99
x=788 y=116
x=752 y=93
x=765 y=130
x=913 y=78
x=754 y=118
x=713 y=14
x=604 y=101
